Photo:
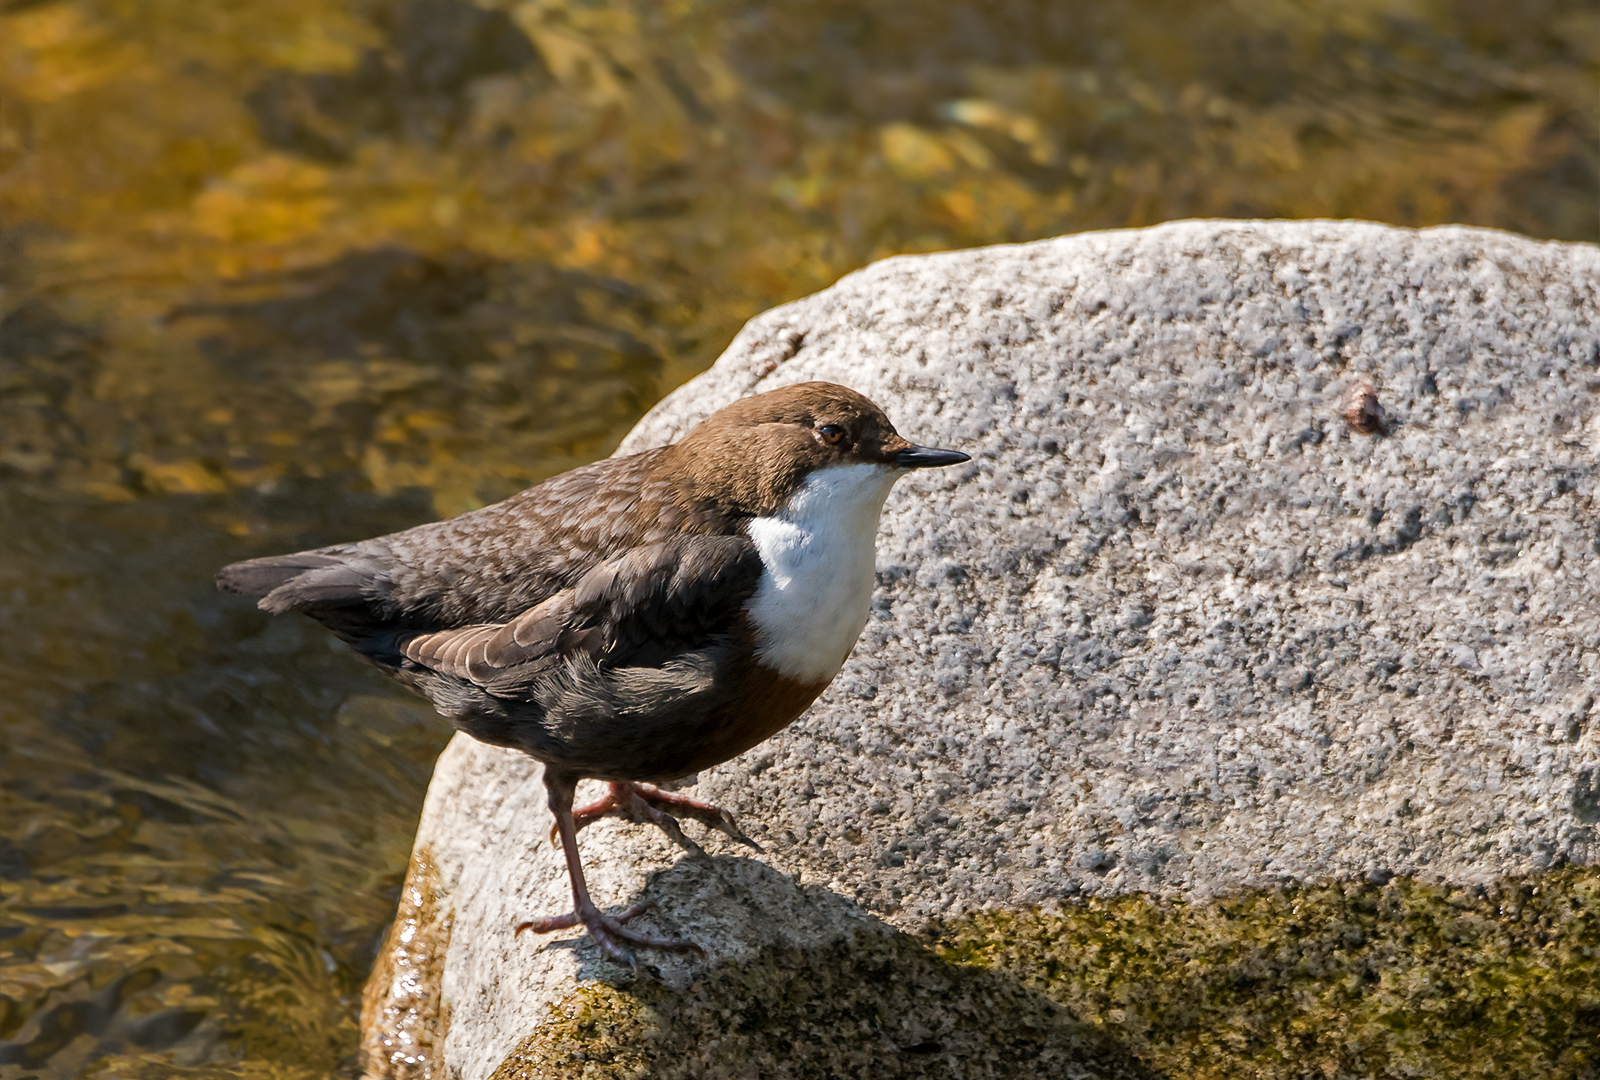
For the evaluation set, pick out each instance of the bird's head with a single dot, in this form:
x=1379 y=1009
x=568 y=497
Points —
x=757 y=453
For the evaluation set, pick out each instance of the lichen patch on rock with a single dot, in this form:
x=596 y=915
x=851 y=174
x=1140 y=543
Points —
x=877 y=1004
x=1401 y=979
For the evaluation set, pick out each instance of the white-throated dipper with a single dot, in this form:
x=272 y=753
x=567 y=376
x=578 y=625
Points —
x=635 y=620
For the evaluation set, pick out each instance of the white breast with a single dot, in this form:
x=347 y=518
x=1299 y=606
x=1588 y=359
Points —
x=817 y=588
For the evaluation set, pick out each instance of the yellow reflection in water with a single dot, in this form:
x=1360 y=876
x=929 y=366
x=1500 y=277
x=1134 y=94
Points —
x=161 y=157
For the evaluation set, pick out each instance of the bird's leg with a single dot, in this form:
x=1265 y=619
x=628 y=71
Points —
x=607 y=931
x=648 y=803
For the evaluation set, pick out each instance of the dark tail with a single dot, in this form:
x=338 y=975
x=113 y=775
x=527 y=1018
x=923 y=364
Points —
x=308 y=581
x=258 y=577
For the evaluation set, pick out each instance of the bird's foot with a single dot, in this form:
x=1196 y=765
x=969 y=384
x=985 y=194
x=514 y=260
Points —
x=609 y=932
x=648 y=803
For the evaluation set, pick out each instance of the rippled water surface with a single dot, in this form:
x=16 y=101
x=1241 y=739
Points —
x=274 y=274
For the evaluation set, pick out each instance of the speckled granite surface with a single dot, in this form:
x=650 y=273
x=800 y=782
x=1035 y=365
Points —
x=1175 y=630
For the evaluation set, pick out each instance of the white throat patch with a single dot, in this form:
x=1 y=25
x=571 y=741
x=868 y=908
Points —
x=818 y=553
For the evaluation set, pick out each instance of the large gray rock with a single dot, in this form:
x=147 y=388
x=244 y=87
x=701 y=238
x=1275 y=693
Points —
x=1176 y=629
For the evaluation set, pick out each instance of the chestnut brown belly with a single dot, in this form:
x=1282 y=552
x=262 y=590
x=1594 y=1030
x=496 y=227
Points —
x=760 y=703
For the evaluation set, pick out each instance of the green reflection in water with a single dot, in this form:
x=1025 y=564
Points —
x=275 y=274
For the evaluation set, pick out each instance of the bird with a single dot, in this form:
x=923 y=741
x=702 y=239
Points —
x=634 y=620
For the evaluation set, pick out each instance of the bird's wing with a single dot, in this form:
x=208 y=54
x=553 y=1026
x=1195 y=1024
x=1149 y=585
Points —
x=487 y=566
x=639 y=608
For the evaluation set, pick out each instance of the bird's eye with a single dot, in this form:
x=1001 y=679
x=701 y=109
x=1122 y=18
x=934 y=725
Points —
x=831 y=433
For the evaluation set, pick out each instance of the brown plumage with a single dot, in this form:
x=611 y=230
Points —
x=606 y=621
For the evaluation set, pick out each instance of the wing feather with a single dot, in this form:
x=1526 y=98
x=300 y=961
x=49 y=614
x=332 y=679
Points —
x=482 y=567
x=663 y=599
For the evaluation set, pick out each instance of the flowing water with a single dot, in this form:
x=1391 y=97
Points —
x=275 y=273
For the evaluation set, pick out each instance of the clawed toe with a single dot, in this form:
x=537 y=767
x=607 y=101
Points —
x=609 y=932
x=646 y=803
x=646 y=810
x=727 y=823
x=714 y=817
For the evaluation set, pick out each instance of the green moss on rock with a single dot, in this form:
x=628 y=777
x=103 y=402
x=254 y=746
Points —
x=875 y=1005
x=1403 y=979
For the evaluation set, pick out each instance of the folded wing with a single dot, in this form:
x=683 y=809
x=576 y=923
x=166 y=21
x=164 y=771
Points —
x=487 y=566
x=640 y=609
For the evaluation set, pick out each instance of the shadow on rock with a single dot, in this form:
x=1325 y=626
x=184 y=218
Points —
x=800 y=983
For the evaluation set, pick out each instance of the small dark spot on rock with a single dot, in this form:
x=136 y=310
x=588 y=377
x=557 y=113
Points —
x=1362 y=411
x=1311 y=436
x=1586 y=796
x=1099 y=863
x=1411 y=531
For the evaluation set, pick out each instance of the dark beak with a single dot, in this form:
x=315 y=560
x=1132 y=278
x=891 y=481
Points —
x=927 y=457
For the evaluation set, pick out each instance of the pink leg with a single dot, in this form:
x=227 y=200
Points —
x=607 y=931
x=648 y=803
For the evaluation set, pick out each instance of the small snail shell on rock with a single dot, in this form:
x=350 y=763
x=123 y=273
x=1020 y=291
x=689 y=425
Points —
x=1361 y=409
